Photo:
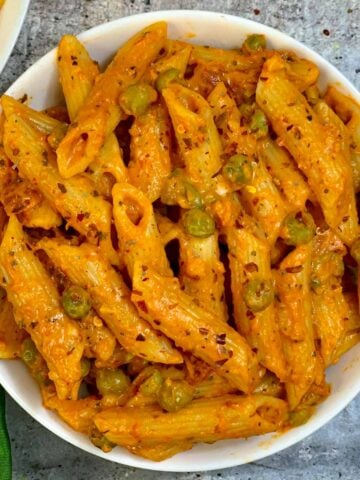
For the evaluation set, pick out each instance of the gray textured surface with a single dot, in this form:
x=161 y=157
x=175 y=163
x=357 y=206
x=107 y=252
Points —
x=331 y=453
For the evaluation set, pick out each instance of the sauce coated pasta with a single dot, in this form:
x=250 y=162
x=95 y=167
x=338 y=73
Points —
x=179 y=244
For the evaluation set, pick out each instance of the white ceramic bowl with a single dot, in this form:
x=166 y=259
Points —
x=41 y=84
x=12 y=16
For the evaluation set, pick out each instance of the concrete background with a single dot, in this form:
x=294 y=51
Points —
x=334 y=451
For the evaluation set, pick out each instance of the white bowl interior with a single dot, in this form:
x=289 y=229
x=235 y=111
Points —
x=41 y=84
x=12 y=16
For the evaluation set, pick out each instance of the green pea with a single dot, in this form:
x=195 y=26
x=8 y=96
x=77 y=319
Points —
x=174 y=395
x=258 y=124
x=136 y=99
x=255 y=42
x=165 y=78
x=238 y=169
x=198 y=223
x=112 y=381
x=298 y=229
x=355 y=250
x=28 y=351
x=152 y=385
x=76 y=302
x=258 y=294
x=301 y=416
x=85 y=367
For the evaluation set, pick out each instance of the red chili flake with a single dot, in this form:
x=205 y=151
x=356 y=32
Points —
x=80 y=217
x=95 y=193
x=61 y=187
x=256 y=11
x=250 y=315
x=84 y=136
x=221 y=362
x=171 y=307
x=326 y=32
x=230 y=353
x=187 y=333
x=142 y=306
x=203 y=331
x=251 y=267
x=157 y=322
x=16 y=151
x=144 y=268
x=221 y=339
x=296 y=269
x=140 y=338
x=74 y=63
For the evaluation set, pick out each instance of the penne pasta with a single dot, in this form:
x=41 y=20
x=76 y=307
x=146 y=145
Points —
x=265 y=203
x=222 y=417
x=197 y=330
x=137 y=230
x=252 y=293
x=202 y=273
x=75 y=199
x=302 y=133
x=37 y=308
x=150 y=162
x=99 y=115
x=330 y=308
x=285 y=174
x=111 y=300
x=294 y=311
x=195 y=132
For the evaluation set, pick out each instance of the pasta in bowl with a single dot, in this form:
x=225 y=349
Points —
x=179 y=243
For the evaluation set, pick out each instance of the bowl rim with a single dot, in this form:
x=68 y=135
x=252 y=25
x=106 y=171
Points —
x=348 y=394
x=17 y=11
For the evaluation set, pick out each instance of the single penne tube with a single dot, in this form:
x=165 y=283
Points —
x=195 y=131
x=139 y=237
x=11 y=335
x=330 y=308
x=264 y=201
x=40 y=120
x=86 y=267
x=77 y=73
x=285 y=174
x=202 y=273
x=37 y=308
x=161 y=301
x=150 y=162
x=75 y=199
x=230 y=416
x=252 y=287
x=341 y=140
x=294 y=310
x=101 y=112
x=302 y=133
